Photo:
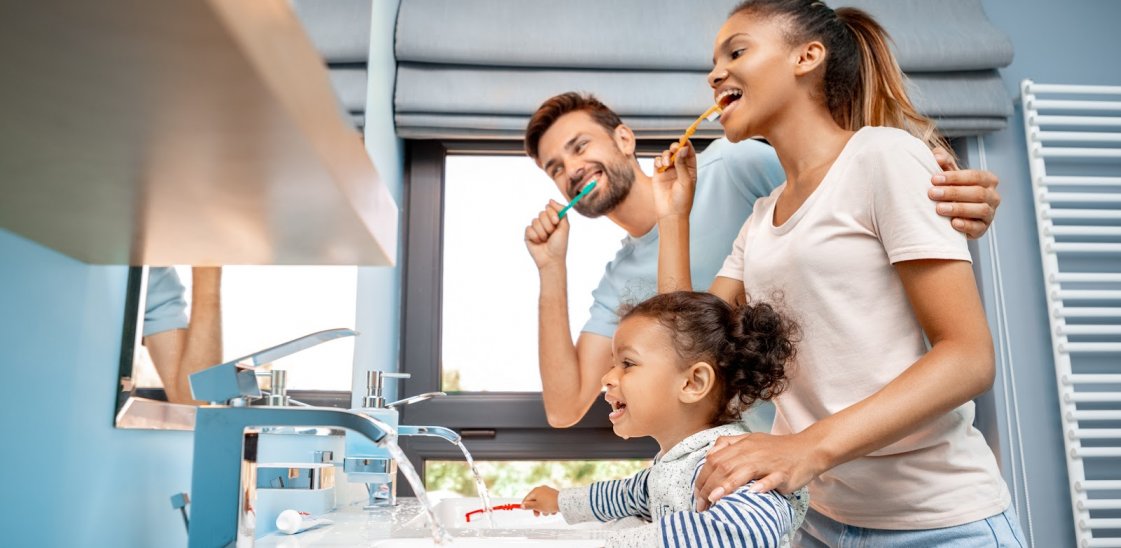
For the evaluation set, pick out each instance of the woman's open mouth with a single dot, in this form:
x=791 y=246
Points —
x=728 y=99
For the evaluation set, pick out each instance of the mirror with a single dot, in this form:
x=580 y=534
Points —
x=182 y=319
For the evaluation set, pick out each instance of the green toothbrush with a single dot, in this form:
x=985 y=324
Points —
x=584 y=191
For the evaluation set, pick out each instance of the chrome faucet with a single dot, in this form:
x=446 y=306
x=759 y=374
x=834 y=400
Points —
x=435 y=431
x=223 y=482
x=235 y=381
x=223 y=476
x=365 y=463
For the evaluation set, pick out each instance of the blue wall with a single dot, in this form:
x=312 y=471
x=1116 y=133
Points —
x=1071 y=42
x=379 y=288
x=70 y=478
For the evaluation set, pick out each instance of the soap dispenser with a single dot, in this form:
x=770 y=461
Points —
x=365 y=462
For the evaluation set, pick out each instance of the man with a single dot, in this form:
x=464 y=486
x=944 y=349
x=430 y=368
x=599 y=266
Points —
x=574 y=138
x=177 y=345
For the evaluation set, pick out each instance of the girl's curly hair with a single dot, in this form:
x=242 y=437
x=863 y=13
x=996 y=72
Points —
x=750 y=346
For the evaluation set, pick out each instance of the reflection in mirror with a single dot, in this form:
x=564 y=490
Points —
x=177 y=345
x=180 y=320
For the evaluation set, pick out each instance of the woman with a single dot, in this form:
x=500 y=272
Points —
x=877 y=425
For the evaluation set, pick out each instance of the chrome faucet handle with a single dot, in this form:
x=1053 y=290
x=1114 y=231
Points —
x=374 y=381
x=236 y=379
x=224 y=382
x=416 y=399
x=281 y=350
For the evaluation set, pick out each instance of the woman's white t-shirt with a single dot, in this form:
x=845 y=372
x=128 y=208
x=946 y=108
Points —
x=830 y=267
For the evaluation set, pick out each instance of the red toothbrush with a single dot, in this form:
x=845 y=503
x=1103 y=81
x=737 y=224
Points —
x=514 y=506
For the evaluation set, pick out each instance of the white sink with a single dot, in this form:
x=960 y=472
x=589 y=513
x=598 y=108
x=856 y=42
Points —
x=355 y=526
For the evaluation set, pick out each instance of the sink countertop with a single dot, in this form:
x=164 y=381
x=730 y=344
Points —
x=355 y=526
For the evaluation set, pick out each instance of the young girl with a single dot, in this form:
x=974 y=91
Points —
x=686 y=365
x=876 y=424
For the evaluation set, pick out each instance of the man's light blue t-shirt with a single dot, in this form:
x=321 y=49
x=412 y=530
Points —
x=730 y=177
x=165 y=308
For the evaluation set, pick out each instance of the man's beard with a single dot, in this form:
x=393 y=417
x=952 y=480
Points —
x=602 y=200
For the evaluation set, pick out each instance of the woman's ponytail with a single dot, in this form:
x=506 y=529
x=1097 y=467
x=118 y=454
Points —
x=863 y=84
x=880 y=97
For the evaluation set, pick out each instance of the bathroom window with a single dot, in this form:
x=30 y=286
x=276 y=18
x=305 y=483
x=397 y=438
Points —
x=469 y=324
x=490 y=284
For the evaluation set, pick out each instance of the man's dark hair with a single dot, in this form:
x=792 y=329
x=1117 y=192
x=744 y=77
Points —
x=559 y=105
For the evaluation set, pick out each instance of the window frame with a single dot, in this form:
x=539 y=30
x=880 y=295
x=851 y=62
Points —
x=494 y=426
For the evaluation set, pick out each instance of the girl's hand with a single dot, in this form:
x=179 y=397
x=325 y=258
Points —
x=673 y=187
x=782 y=463
x=542 y=500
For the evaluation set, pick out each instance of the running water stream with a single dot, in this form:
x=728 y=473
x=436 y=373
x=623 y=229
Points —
x=480 y=485
x=440 y=535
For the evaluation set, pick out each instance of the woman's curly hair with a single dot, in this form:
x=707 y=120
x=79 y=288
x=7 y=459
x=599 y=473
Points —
x=751 y=346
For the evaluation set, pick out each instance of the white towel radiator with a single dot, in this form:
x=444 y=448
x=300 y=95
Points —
x=1074 y=150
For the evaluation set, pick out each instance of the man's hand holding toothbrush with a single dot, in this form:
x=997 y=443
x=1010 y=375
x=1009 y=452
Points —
x=546 y=237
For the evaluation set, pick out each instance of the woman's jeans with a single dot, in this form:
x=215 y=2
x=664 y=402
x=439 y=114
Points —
x=1001 y=530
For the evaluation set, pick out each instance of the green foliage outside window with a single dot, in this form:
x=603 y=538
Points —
x=514 y=479
x=450 y=381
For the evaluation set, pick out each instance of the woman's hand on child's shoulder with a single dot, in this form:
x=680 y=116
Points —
x=542 y=500
x=781 y=463
x=674 y=184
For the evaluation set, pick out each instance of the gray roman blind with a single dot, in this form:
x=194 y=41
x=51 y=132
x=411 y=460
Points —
x=477 y=69
x=340 y=30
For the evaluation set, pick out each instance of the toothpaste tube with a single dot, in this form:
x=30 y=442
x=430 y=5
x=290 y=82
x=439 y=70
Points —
x=292 y=522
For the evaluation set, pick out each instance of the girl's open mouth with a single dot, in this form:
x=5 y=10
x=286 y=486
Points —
x=617 y=410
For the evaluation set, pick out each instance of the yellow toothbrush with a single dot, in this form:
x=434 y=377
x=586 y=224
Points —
x=710 y=115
